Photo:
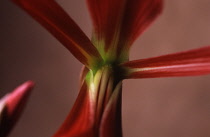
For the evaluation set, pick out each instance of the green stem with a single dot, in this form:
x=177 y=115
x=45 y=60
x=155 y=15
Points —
x=107 y=88
x=97 y=110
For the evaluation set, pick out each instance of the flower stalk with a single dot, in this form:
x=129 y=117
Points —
x=101 y=97
x=116 y=25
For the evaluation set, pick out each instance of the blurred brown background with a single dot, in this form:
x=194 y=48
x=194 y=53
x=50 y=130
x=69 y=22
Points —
x=163 y=107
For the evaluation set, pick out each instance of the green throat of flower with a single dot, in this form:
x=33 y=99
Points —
x=111 y=55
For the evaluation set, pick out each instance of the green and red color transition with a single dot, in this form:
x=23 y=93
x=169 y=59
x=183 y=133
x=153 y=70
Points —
x=116 y=25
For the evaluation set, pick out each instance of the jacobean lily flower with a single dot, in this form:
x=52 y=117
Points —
x=12 y=105
x=117 y=24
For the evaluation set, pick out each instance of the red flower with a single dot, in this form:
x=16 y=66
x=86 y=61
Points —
x=117 y=24
x=12 y=105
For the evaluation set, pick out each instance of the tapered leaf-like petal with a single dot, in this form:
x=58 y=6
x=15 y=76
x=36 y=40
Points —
x=138 y=15
x=188 y=63
x=83 y=73
x=122 y=21
x=11 y=107
x=50 y=15
x=80 y=121
x=106 y=16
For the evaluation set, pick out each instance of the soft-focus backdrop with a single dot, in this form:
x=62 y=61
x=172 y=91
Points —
x=160 y=107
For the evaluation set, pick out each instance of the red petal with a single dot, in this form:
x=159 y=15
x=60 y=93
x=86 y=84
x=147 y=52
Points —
x=80 y=121
x=19 y=95
x=83 y=73
x=188 y=63
x=123 y=19
x=14 y=104
x=138 y=15
x=50 y=15
x=106 y=16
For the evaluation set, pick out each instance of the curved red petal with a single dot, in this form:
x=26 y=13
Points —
x=80 y=121
x=106 y=16
x=122 y=21
x=14 y=105
x=83 y=73
x=138 y=15
x=19 y=95
x=187 y=63
x=50 y=15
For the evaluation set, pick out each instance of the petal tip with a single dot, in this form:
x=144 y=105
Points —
x=20 y=93
x=12 y=105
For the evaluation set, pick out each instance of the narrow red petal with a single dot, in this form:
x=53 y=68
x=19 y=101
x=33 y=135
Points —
x=83 y=73
x=138 y=15
x=19 y=95
x=80 y=121
x=14 y=105
x=50 y=15
x=187 y=63
x=106 y=16
x=122 y=21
